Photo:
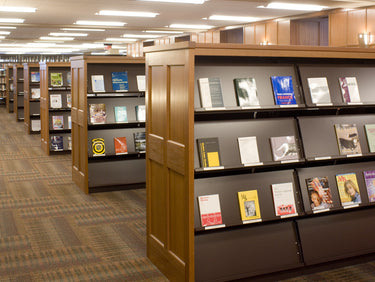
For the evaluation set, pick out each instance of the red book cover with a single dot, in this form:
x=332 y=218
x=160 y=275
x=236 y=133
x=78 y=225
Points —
x=120 y=145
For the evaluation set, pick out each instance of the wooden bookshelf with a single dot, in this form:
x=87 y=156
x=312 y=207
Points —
x=18 y=91
x=3 y=92
x=31 y=105
x=102 y=173
x=176 y=242
x=9 y=88
x=47 y=113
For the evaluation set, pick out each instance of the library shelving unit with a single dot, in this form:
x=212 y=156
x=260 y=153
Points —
x=110 y=171
x=31 y=103
x=177 y=243
x=18 y=91
x=52 y=131
x=9 y=88
x=3 y=87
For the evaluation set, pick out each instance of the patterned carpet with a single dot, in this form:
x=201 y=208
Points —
x=51 y=231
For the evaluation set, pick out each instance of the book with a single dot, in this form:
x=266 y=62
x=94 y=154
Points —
x=35 y=93
x=347 y=139
x=69 y=78
x=283 y=90
x=35 y=125
x=369 y=177
x=348 y=189
x=140 y=141
x=34 y=76
x=319 y=193
x=98 y=147
x=370 y=134
x=249 y=205
x=58 y=122
x=283 y=199
x=69 y=100
x=208 y=151
x=284 y=148
x=210 y=92
x=248 y=149
x=246 y=91
x=69 y=142
x=141 y=82
x=57 y=143
x=97 y=83
x=55 y=101
x=319 y=90
x=69 y=122
x=121 y=146
x=349 y=89
x=121 y=114
x=98 y=114
x=209 y=209
x=120 y=81
x=56 y=79
x=140 y=112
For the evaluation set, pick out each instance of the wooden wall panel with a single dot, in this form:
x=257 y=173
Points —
x=260 y=33
x=216 y=36
x=208 y=37
x=356 y=24
x=324 y=32
x=271 y=32
x=338 y=29
x=370 y=20
x=283 y=33
x=201 y=37
x=249 y=34
x=158 y=102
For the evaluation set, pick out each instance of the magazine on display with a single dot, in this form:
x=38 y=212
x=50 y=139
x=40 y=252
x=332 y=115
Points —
x=349 y=89
x=249 y=206
x=283 y=90
x=248 y=150
x=284 y=148
x=283 y=199
x=348 y=139
x=348 y=189
x=246 y=92
x=319 y=90
x=319 y=193
x=210 y=211
x=209 y=152
x=210 y=92
x=370 y=184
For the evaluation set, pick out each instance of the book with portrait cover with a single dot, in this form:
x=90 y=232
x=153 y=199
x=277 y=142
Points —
x=249 y=205
x=208 y=151
x=319 y=90
x=369 y=176
x=283 y=90
x=370 y=134
x=348 y=189
x=140 y=141
x=348 y=139
x=98 y=147
x=58 y=122
x=349 y=89
x=57 y=143
x=121 y=146
x=209 y=209
x=35 y=93
x=34 y=76
x=98 y=113
x=248 y=150
x=210 y=92
x=56 y=79
x=121 y=114
x=246 y=91
x=55 y=101
x=283 y=199
x=284 y=148
x=140 y=112
x=120 y=81
x=319 y=193
x=97 y=83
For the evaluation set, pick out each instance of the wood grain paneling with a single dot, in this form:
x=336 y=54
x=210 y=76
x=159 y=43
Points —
x=271 y=32
x=338 y=29
x=283 y=32
x=370 y=20
x=249 y=34
x=260 y=33
x=356 y=24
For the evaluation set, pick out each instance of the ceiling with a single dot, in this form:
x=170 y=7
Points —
x=52 y=15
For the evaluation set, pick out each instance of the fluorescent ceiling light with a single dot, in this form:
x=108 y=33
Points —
x=140 y=36
x=127 y=14
x=17 y=9
x=293 y=6
x=101 y=23
x=121 y=39
x=83 y=29
x=8 y=27
x=4 y=32
x=56 y=38
x=41 y=44
x=10 y=20
x=67 y=34
x=179 y=1
x=233 y=18
x=191 y=26
x=163 y=31
x=2 y=37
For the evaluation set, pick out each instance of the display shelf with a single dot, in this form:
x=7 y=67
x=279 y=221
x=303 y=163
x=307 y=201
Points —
x=18 y=91
x=177 y=242
x=103 y=173
x=31 y=85
x=9 y=88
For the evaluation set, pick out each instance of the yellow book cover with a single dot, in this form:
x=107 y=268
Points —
x=249 y=205
x=348 y=189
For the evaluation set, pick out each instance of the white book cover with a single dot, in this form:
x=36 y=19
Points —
x=35 y=125
x=319 y=90
x=97 y=83
x=210 y=211
x=35 y=93
x=55 y=101
x=283 y=199
x=204 y=91
x=141 y=82
x=248 y=149
x=349 y=89
x=69 y=122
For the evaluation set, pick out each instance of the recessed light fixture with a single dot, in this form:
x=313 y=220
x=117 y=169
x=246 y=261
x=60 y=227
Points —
x=233 y=18
x=11 y=20
x=140 y=36
x=293 y=6
x=100 y=23
x=121 y=39
x=67 y=34
x=56 y=38
x=163 y=31
x=82 y=29
x=191 y=26
x=17 y=9
x=178 y=1
x=127 y=14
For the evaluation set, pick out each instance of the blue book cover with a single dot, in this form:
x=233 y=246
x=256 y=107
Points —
x=120 y=81
x=35 y=76
x=283 y=90
x=57 y=143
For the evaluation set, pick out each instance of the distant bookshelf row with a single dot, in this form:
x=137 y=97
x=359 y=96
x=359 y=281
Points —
x=98 y=113
x=246 y=91
x=119 y=82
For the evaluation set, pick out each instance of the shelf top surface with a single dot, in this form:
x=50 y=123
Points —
x=109 y=59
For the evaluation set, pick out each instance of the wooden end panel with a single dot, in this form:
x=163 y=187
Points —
x=155 y=148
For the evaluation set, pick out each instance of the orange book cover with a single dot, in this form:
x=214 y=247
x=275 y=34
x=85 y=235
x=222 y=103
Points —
x=120 y=145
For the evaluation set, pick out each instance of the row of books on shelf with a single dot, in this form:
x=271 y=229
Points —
x=98 y=113
x=120 y=144
x=57 y=143
x=247 y=93
x=56 y=78
x=284 y=202
x=119 y=81
x=284 y=148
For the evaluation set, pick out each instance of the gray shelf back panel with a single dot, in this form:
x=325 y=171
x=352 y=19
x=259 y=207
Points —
x=223 y=256
x=228 y=186
x=262 y=74
x=34 y=107
x=120 y=172
x=364 y=73
x=229 y=131
x=20 y=113
x=319 y=136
